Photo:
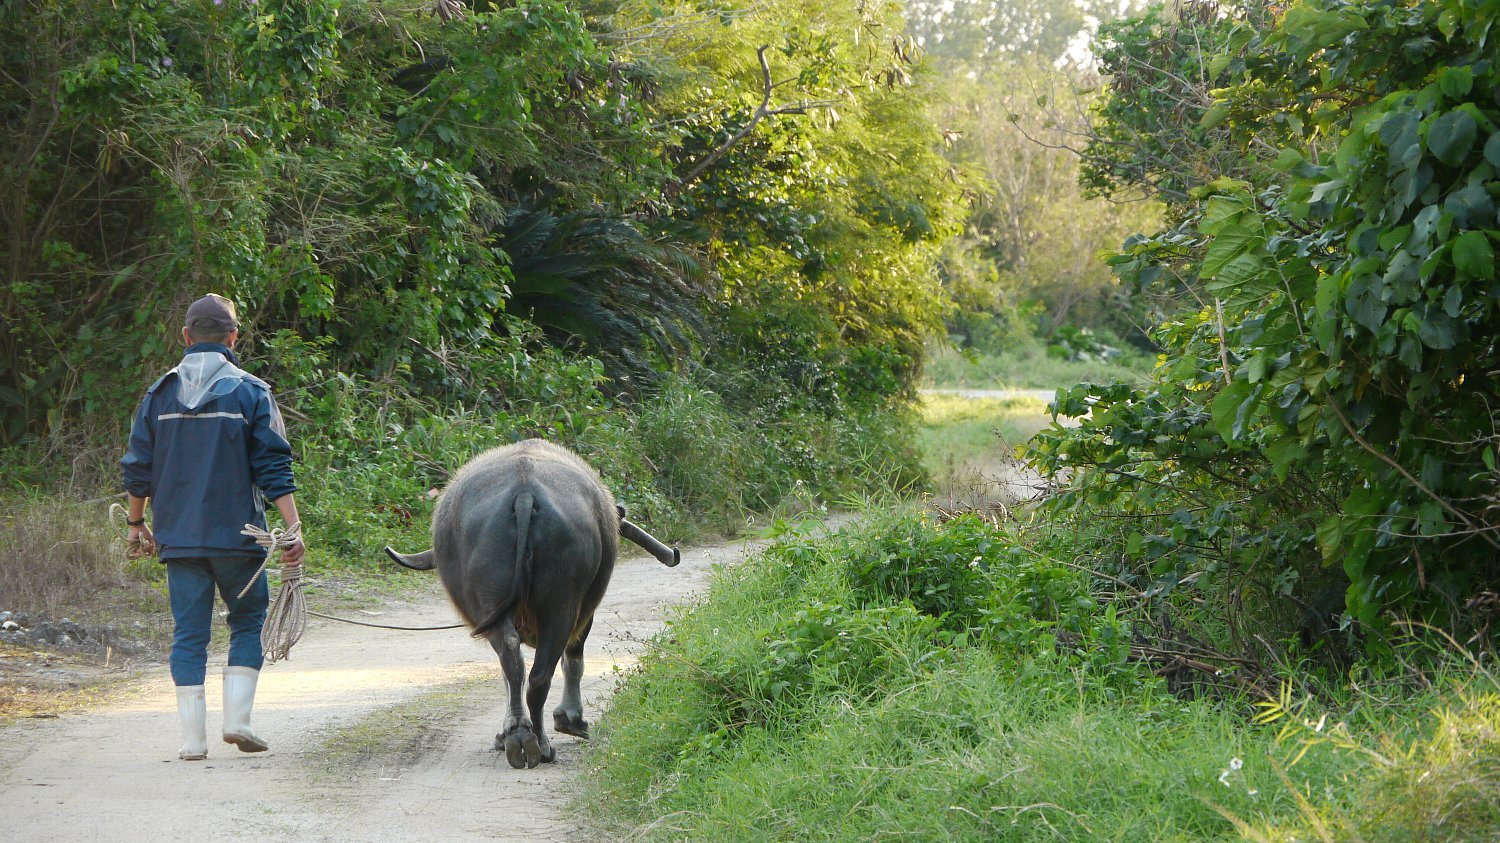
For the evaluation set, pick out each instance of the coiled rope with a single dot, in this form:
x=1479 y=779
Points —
x=119 y=517
x=286 y=618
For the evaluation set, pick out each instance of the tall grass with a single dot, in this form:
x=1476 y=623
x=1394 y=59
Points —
x=63 y=558
x=969 y=448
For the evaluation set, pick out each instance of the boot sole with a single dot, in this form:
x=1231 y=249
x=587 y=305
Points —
x=247 y=744
x=185 y=757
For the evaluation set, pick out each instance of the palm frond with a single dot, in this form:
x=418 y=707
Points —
x=596 y=279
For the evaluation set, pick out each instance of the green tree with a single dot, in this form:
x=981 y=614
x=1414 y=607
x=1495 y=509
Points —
x=978 y=33
x=1011 y=128
x=807 y=165
x=1339 y=377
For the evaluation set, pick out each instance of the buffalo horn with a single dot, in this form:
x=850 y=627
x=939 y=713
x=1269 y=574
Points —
x=668 y=556
x=416 y=561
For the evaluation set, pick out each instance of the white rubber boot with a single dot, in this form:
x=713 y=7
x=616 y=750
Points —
x=191 y=711
x=239 y=698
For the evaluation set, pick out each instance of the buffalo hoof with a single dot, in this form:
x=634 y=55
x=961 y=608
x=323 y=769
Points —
x=523 y=749
x=570 y=725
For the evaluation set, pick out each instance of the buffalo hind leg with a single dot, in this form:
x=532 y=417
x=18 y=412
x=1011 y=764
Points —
x=551 y=639
x=518 y=739
x=567 y=718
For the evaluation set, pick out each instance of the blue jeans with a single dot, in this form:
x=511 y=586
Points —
x=190 y=587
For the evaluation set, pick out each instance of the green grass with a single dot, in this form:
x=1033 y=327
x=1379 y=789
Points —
x=912 y=680
x=968 y=445
x=1028 y=367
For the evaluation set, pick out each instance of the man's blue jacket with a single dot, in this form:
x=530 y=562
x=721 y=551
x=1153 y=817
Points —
x=206 y=464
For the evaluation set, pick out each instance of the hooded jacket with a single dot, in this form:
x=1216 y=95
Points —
x=209 y=448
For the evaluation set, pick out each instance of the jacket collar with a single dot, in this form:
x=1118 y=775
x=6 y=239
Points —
x=199 y=347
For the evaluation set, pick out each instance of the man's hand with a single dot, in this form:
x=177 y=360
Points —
x=292 y=556
x=287 y=506
x=140 y=542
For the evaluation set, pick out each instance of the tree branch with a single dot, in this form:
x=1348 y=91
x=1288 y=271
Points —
x=761 y=112
x=1483 y=531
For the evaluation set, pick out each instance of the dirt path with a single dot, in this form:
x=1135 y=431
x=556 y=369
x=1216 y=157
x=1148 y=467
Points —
x=375 y=735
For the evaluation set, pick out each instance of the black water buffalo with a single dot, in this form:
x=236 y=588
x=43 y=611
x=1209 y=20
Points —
x=524 y=539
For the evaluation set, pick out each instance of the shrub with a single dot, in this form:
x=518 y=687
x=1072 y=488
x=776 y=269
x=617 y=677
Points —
x=810 y=698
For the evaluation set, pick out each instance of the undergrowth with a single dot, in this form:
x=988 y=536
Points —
x=960 y=681
x=1027 y=365
x=60 y=556
x=372 y=456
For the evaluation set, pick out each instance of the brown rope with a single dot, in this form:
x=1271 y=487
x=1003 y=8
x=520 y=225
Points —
x=286 y=617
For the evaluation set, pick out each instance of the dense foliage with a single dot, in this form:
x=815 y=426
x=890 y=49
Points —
x=400 y=182
x=1320 y=434
x=699 y=247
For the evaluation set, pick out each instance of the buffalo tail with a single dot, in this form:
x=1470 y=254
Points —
x=521 y=570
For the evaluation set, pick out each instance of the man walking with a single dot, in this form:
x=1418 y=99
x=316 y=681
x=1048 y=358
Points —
x=208 y=448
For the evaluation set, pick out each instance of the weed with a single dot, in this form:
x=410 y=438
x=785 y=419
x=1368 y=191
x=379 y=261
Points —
x=953 y=682
x=64 y=558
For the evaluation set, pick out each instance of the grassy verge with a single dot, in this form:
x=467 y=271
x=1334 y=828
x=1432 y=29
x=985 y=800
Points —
x=1028 y=367
x=951 y=682
x=966 y=681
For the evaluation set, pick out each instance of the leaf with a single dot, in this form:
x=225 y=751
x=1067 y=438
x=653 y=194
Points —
x=1319 y=27
x=1363 y=304
x=1360 y=598
x=1219 y=210
x=1401 y=279
x=1471 y=206
x=1439 y=330
x=1447 y=22
x=1228 y=244
x=1400 y=134
x=1322 y=189
x=1216 y=114
x=1422 y=227
x=1289 y=159
x=1237 y=279
x=1226 y=406
x=1282 y=453
x=1450 y=137
x=1474 y=256
x=1257 y=367
x=1331 y=536
x=1234 y=407
x=1453 y=300
x=1492 y=149
x=1456 y=82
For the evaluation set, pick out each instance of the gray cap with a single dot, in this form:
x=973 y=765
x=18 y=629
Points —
x=212 y=313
